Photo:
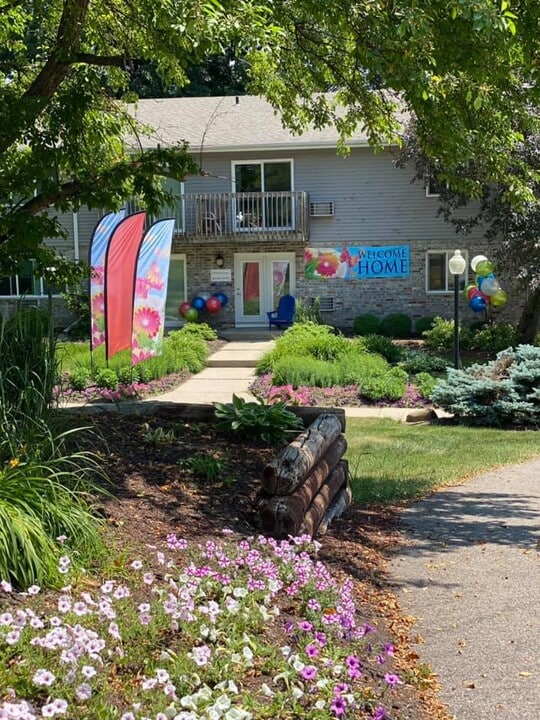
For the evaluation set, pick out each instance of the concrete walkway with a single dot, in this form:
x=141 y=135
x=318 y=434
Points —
x=471 y=576
x=231 y=370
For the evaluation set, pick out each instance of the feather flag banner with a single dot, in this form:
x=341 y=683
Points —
x=151 y=291
x=97 y=253
x=120 y=265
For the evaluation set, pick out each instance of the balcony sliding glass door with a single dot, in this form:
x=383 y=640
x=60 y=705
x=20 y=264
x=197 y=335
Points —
x=274 y=178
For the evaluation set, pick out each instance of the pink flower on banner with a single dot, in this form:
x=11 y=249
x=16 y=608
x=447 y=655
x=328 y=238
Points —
x=154 y=277
x=327 y=264
x=142 y=287
x=140 y=355
x=147 y=321
x=98 y=304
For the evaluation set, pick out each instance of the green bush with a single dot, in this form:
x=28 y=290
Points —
x=271 y=424
x=425 y=384
x=202 y=330
x=366 y=324
x=128 y=374
x=494 y=338
x=308 y=311
x=44 y=492
x=441 y=335
x=423 y=324
x=79 y=379
x=396 y=325
x=383 y=346
x=388 y=386
x=305 y=340
x=106 y=378
x=28 y=368
x=505 y=391
x=419 y=361
x=296 y=371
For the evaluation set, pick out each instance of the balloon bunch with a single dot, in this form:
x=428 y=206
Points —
x=204 y=301
x=487 y=291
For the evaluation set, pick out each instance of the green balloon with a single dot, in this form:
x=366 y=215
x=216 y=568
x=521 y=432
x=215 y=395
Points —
x=191 y=315
x=484 y=267
x=499 y=299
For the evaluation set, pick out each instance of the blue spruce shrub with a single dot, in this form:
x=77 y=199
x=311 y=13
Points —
x=505 y=391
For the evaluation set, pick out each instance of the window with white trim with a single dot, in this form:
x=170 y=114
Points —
x=438 y=277
x=26 y=284
x=176 y=289
x=434 y=186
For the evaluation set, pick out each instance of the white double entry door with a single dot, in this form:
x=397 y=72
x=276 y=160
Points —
x=260 y=279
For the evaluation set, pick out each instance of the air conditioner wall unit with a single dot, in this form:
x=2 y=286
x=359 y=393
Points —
x=321 y=209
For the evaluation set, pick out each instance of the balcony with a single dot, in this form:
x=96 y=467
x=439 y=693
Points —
x=250 y=216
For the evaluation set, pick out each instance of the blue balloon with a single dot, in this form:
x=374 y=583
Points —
x=198 y=303
x=223 y=299
x=477 y=303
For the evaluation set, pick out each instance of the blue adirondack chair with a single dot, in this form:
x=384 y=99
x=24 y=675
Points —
x=284 y=315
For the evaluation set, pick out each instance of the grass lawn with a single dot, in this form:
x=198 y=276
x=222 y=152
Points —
x=392 y=461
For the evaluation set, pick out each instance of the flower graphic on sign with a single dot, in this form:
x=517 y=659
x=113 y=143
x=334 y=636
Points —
x=154 y=277
x=327 y=264
x=146 y=321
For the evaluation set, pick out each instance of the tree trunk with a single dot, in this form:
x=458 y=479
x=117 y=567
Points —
x=336 y=508
x=286 y=472
x=529 y=322
x=316 y=511
x=282 y=515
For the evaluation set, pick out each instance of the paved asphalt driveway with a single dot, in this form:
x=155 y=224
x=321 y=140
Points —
x=471 y=575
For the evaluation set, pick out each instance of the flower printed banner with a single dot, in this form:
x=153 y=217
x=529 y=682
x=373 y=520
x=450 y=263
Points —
x=98 y=249
x=151 y=291
x=357 y=262
x=120 y=263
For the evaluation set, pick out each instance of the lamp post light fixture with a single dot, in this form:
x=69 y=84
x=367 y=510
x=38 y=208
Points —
x=456 y=266
x=219 y=261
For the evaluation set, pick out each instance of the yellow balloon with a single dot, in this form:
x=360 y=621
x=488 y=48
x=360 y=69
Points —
x=499 y=299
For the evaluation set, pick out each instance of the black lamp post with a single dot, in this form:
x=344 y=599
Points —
x=457 y=266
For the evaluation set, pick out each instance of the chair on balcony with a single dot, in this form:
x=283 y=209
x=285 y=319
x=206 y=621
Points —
x=284 y=315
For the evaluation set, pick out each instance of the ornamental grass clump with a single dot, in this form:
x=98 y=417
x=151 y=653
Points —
x=505 y=391
x=232 y=630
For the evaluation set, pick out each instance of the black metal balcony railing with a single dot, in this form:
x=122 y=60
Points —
x=241 y=215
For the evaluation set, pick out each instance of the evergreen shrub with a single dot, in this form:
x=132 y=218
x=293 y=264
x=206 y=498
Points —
x=418 y=361
x=423 y=324
x=383 y=346
x=495 y=337
x=366 y=324
x=396 y=325
x=505 y=391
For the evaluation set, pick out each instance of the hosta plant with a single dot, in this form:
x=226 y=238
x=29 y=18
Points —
x=272 y=424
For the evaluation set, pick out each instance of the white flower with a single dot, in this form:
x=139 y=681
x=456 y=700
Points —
x=33 y=589
x=240 y=592
x=237 y=714
x=6 y=586
x=267 y=690
x=43 y=677
x=320 y=704
x=223 y=702
x=285 y=651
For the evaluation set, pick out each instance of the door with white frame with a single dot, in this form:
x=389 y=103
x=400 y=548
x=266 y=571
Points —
x=260 y=279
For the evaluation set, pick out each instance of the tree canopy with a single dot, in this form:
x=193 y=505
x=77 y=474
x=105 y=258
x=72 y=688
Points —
x=466 y=69
x=512 y=233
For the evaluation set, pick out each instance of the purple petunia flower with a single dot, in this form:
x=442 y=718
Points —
x=392 y=679
x=308 y=673
x=338 y=706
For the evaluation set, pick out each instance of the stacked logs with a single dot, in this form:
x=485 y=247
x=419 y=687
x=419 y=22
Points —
x=307 y=484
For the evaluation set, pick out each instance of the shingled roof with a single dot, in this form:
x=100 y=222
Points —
x=219 y=124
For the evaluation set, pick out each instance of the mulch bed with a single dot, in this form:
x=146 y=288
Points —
x=154 y=491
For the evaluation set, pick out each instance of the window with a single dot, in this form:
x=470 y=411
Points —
x=173 y=210
x=434 y=187
x=26 y=283
x=176 y=289
x=275 y=179
x=438 y=278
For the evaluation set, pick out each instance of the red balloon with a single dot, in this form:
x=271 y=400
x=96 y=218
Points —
x=183 y=307
x=213 y=305
x=473 y=292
